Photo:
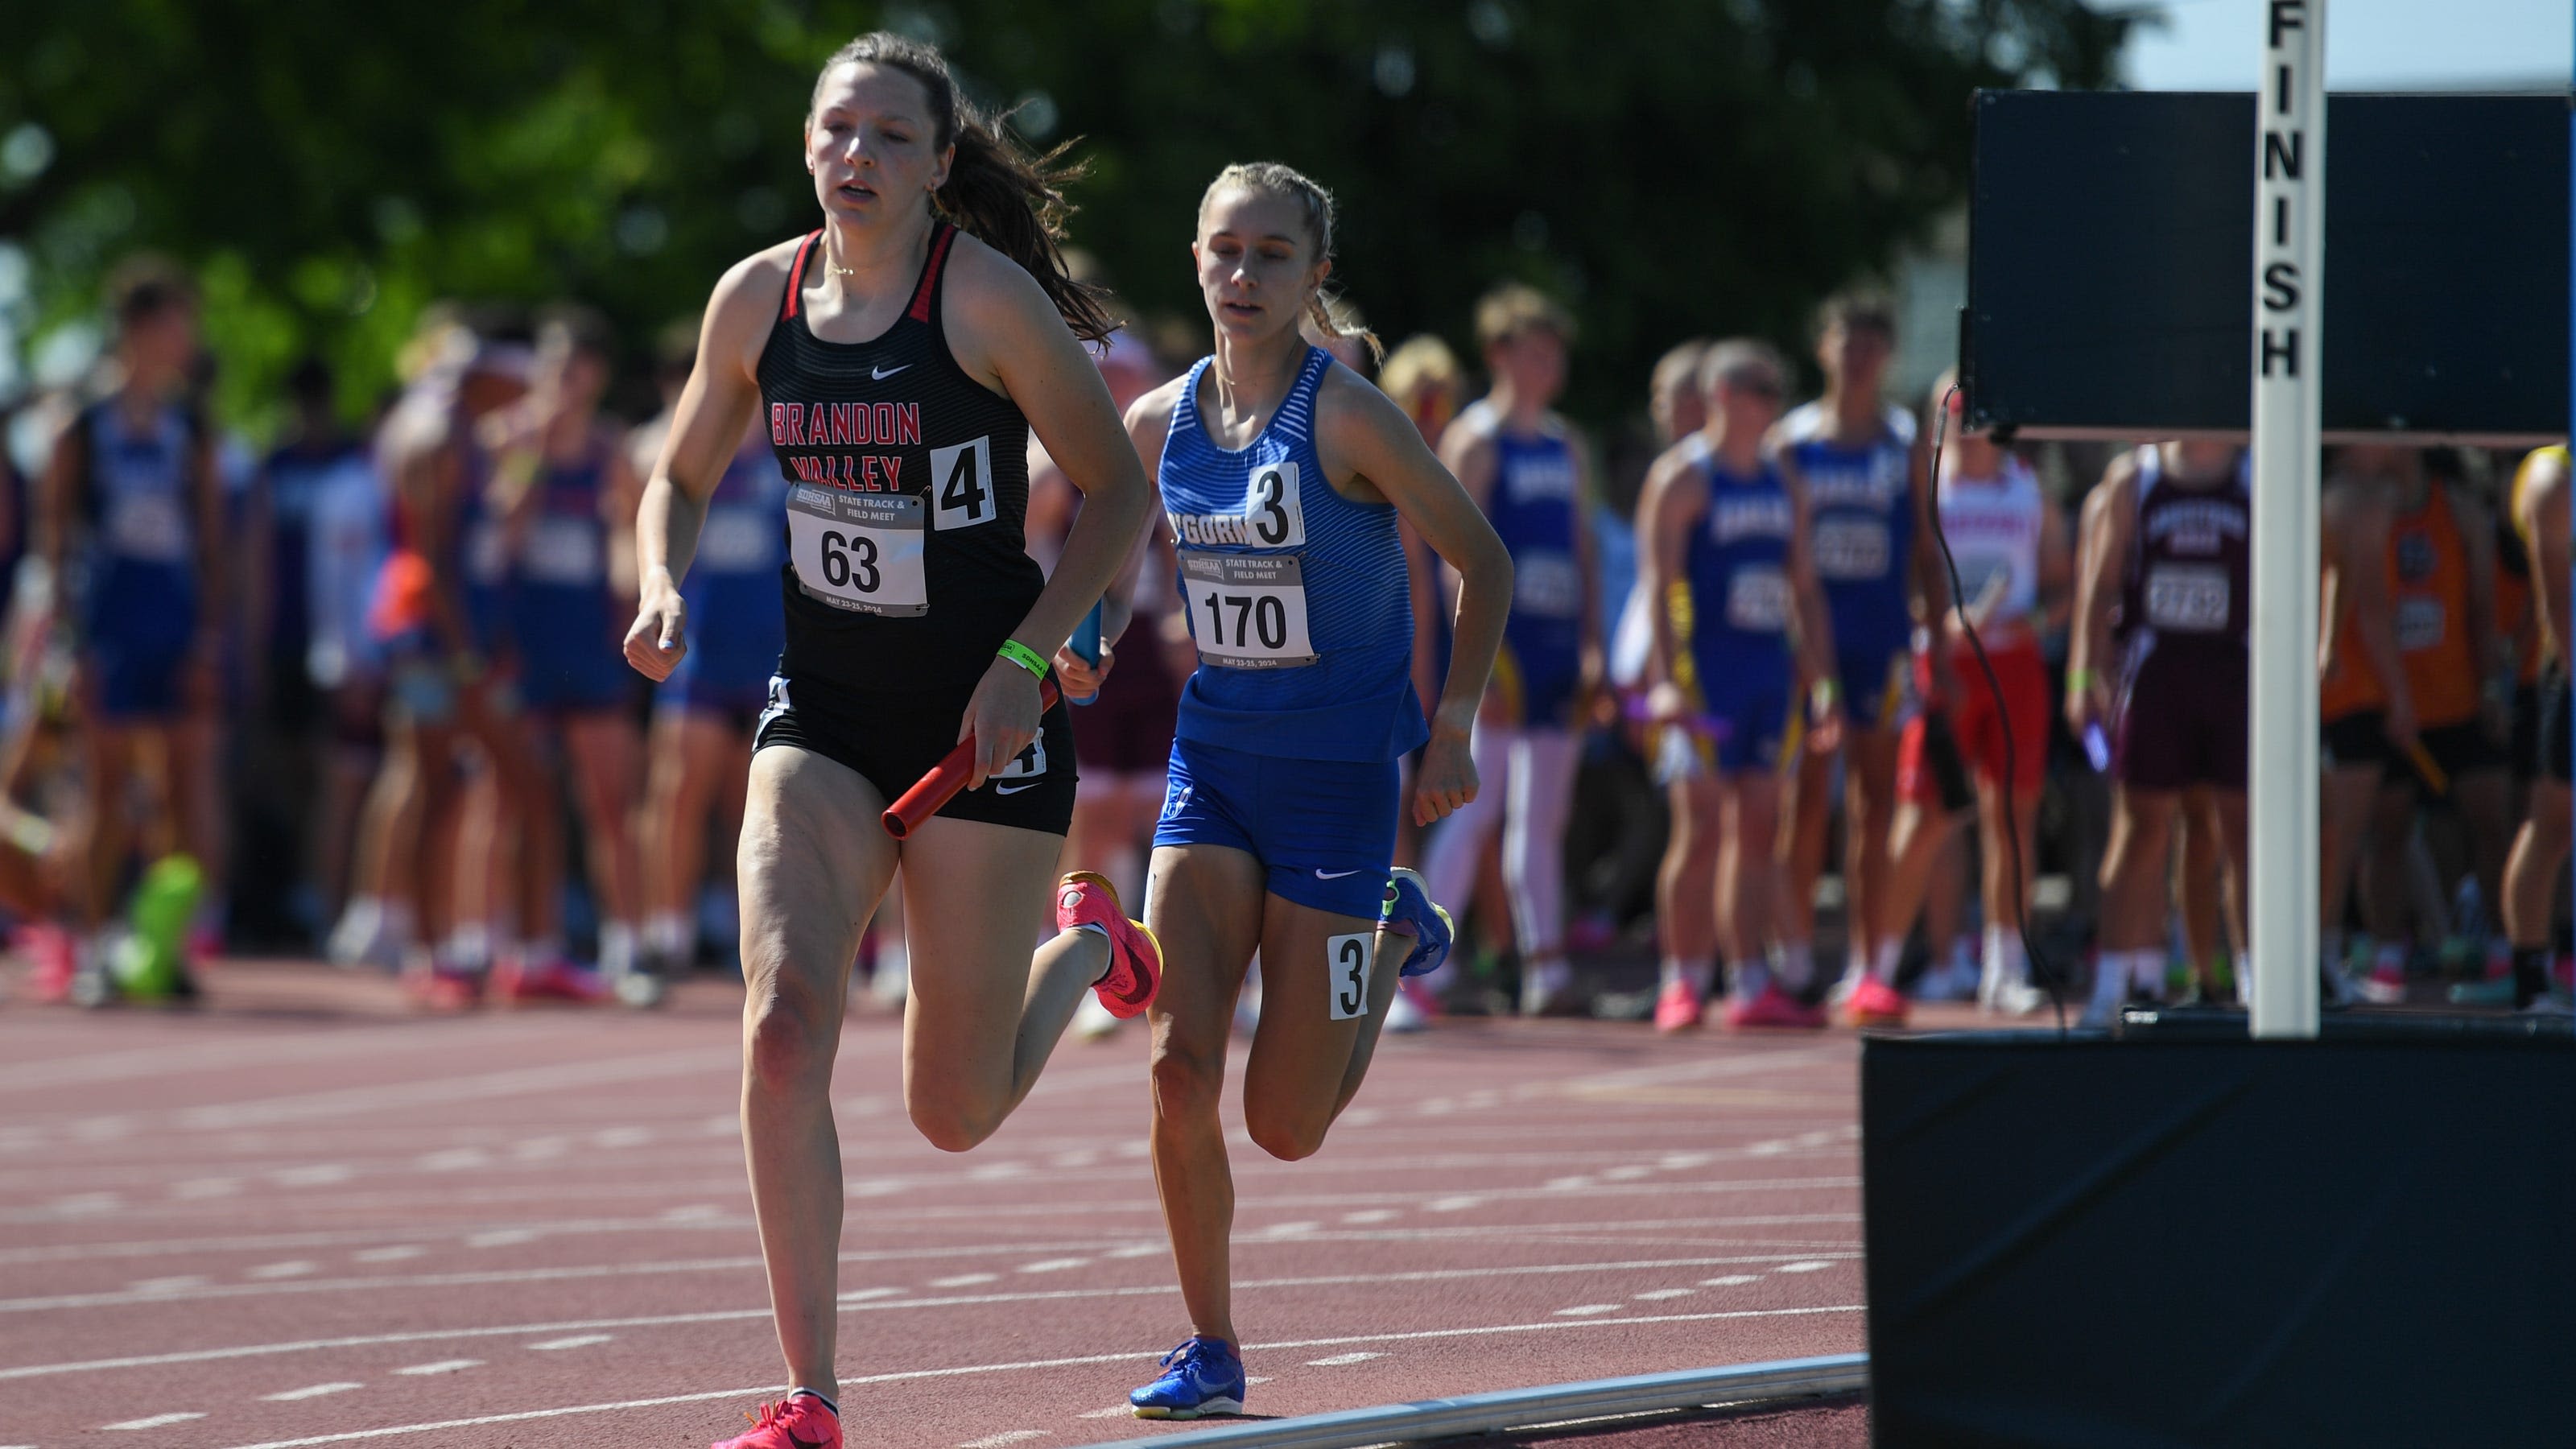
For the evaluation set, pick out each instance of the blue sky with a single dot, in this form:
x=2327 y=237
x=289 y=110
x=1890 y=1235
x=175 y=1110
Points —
x=2370 y=44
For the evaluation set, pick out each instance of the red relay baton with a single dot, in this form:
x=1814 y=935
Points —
x=947 y=778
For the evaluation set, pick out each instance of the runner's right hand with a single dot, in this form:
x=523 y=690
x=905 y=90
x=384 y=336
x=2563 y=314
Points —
x=658 y=638
x=1666 y=703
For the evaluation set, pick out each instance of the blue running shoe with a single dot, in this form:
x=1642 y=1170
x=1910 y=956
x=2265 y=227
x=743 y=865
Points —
x=1409 y=906
x=1204 y=1377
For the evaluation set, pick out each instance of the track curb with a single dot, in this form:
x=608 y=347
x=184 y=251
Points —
x=1749 y=1383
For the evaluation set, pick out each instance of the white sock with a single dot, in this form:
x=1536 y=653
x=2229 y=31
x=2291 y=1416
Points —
x=617 y=947
x=2240 y=970
x=1794 y=962
x=1698 y=973
x=666 y=934
x=1553 y=973
x=398 y=921
x=1890 y=954
x=2147 y=972
x=1963 y=951
x=2004 y=955
x=469 y=947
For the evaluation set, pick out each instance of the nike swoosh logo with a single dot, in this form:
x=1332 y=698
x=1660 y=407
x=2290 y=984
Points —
x=1015 y=789
x=804 y=1443
x=1333 y=874
x=882 y=373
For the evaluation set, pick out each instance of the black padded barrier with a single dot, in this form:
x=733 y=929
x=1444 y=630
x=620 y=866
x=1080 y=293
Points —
x=2190 y=1238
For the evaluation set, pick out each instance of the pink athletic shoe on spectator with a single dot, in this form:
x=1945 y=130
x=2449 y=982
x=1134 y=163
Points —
x=1774 y=1007
x=801 y=1422
x=552 y=978
x=1678 y=1008
x=1874 y=1003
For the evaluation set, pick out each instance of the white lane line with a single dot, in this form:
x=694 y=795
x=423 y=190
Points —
x=1729 y=1280
x=1810 y=1266
x=1290 y=1230
x=1568 y=1184
x=315 y=1392
x=297 y=1268
x=578 y=1340
x=1629 y=1173
x=1136 y=1250
x=965 y=1280
x=696 y=1212
x=1123 y=1411
x=157 y=1421
x=205 y=1187
x=321 y=1174
x=392 y=1254
x=1587 y=1310
x=179 y=1284
x=1054 y=1265
x=616 y=1137
x=851 y=1301
x=1256 y=1378
x=1340 y=1359
x=1371 y=1215
x=1456 y=1204
x=1134 y=1356
x=505 y=1238
x=453 y=1159
x=443 y=1366
x=1013 y=1436
x=1657 y=1295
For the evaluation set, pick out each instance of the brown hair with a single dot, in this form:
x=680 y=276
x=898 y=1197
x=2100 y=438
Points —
x=1515 y=308
x=1858 y=308
x=1275 y=179
x=1728 y=360
x=1010 y=200
x=144 y=287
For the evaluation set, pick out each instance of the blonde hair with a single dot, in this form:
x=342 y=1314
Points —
x=1272 y=178
x=1422 y=363
x=1515 y=308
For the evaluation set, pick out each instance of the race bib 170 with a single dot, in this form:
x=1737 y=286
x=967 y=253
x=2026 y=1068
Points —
x=1247 y=611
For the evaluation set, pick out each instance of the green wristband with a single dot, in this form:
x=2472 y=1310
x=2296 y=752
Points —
x=1023 y=656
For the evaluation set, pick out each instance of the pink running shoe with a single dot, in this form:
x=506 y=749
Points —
x=551 y=979
x=1678 y=1008
x=1774 y=1007
x=1874 y=1003
x=49 y=947
x=2386 y=983
x=1135 y=972
x=800 y=1423
x=440 y=988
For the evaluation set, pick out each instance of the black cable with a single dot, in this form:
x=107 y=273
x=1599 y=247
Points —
x=2040 y=969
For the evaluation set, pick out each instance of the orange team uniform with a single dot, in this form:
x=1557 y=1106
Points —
x=2428 y=575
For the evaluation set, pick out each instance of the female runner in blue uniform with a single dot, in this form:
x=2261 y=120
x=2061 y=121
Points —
x=1524 y=465
x=1283 y=474
x=898 y=358
x=1866 y=477
x=564 y=496
x=1721 y=517
x=704 y=713
x=131 y=523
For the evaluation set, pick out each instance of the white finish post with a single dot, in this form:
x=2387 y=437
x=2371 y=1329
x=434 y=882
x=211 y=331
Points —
x=2289 y=274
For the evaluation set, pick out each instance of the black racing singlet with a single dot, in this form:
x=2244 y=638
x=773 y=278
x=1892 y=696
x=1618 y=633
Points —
x=908 y=561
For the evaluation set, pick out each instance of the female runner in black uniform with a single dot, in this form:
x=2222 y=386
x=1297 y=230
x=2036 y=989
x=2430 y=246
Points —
x=898 y=358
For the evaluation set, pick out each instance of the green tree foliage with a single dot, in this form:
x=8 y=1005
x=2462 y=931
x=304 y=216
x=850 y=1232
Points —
x=1668 y=166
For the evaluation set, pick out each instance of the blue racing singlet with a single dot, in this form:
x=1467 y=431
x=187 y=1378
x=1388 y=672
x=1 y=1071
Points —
x=1863 y=534
x=482 y=549
x=140 y=593
x=561 y=621
x=1737 y=564
x=1298 y=598
x=1532 y=510
x=737 y=623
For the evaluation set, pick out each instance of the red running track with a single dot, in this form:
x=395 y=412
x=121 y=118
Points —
x=302 y=1217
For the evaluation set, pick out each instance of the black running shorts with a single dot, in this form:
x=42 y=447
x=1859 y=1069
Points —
x=892 y=740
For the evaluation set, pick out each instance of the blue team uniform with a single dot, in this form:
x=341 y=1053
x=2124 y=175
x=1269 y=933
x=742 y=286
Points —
x=736 y=622
x=1532 y=510
x=1291 y=727
x=567 y=636
x=139 y=596
x=1737 y=566
x=1862 y=501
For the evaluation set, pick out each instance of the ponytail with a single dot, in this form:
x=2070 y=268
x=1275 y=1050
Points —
x=996 y=192
x=1330 y=316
